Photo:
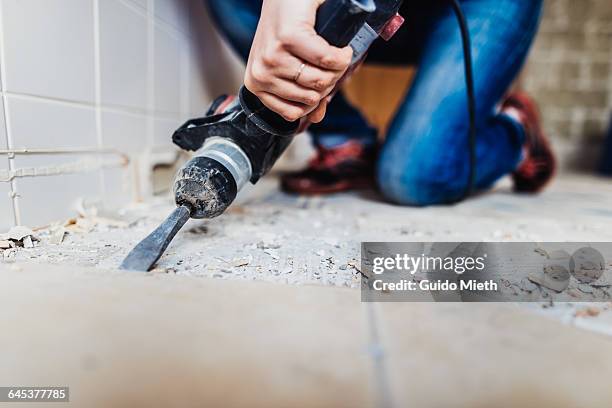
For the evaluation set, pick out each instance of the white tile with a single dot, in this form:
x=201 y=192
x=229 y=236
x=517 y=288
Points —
x=167 y=71
x=140 y=3
x=118 y=187
x=123 y=55
x=163 y=131
x=199 y=95
x=49 y=48
x=37 y=123
x=3 y=139
x=43 y=200
x=214 y=68
x=124 y=131
x=173 y=12
x=6 y=207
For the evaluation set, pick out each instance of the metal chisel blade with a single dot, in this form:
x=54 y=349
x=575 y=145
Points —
x=144 y=256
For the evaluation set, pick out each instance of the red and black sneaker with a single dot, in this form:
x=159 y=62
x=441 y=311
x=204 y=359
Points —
x=539 y=164
x=349 y=166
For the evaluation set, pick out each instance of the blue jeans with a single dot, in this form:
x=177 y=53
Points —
x=424 y=159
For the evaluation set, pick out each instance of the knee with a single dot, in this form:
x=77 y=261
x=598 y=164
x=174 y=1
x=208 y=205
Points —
x=419 y=180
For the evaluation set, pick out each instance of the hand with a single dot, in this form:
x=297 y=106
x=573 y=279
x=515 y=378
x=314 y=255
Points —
x=286 y=39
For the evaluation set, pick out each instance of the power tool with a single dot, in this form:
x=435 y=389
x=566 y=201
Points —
x=240 y=139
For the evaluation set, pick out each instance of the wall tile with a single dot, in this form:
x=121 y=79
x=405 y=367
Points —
x=209 y=80
x=163 y=130
x=118 y=187
x=46 y=124
x=167 y=71
x=6 y=206
x=128 y=133
x=43 y=200
x=139 y=3
x=123 y=55
x=124 y=131
x=199 y=95
x=174 y=13
x=49 y=48
x=3 y=139
x=36 y=123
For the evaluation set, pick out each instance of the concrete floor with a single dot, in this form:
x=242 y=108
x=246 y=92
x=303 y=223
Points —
x=318 y=342
x=271 y=236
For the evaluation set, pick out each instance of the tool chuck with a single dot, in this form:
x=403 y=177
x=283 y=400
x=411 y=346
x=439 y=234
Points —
x=209 y=182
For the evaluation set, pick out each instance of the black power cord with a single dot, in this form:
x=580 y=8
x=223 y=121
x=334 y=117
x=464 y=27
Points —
x=469 y=80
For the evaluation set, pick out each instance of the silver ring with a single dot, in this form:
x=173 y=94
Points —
x=299 y=73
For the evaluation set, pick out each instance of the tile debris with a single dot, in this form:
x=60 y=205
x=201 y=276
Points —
x=590 y=311
x=19 y=236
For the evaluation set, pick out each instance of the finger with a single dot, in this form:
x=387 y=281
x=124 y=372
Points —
x=314 y=49
x=312 y=77
x=290 y=111
x=317 y=115
x=294 y=92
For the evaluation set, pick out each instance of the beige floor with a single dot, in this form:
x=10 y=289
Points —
x=129 y=340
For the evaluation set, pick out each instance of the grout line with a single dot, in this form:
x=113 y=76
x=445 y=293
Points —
x=376 y=350
x=143 y=184
x=170 y=29
x=7 y=127
x=134 y=7
x=184 y=78
x=150 y=67
x=98 y=87
x=80 y=104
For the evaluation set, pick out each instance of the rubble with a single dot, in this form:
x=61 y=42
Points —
x=18 y=236
x=237 y=263
x=27 y=242
x=57 y=236
x=541 y=251
x=553 y=277
x=528 y=286
x=588 y=312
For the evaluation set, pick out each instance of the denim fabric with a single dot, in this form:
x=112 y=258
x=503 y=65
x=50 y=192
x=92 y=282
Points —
x=424 y=159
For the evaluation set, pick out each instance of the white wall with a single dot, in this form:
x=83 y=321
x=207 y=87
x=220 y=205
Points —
x=94 y=75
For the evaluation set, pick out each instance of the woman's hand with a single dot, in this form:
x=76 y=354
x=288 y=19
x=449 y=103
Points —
x=286 y=39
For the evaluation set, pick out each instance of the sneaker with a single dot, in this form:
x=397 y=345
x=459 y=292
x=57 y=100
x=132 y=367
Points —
x=349 y=166
x=539 y=164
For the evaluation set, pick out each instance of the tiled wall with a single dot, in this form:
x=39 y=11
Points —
x=95 y=75
x=570 y=72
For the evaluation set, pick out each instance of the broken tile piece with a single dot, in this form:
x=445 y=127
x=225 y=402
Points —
x=553 y=277
x=27 y=242
x=527 y=285
x=272 y=253
x=18 y=233
x=541 y=251
x=236 y=263
x=588 y=312
x=57 y=237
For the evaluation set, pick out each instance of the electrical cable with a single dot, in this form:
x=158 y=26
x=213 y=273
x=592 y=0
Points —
x=469 y=80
